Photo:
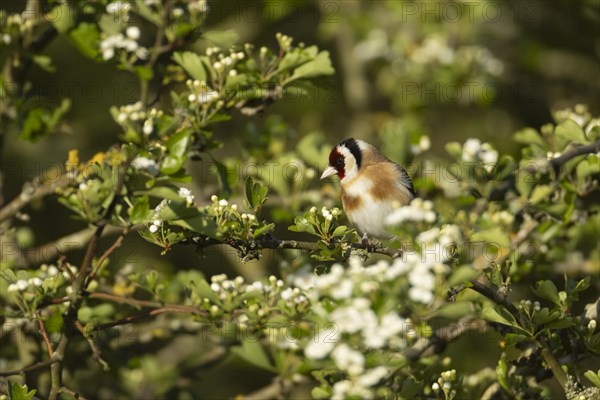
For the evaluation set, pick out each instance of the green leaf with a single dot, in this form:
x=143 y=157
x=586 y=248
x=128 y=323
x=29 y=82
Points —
x=61 y=17
x=561 y=323
x=41 y=122
x=223 y=38
x=44 y=62
x=455 y=310
x=545 y=316
x=570 y=131
x=410 y=389
x=493 y=235
x=256 y=194
x=177 y=145
x=162 y=192
x=192 y=63
x=340 y=231
x=501 y=315
x=252 y=351
x=263 y=229
x=223 y=175
x=547 y=290
x=18 y=392
x=539 y=193
x=140 y=212
x=501 y=373
x=593 y=377
x=529 y=136
x=321 y=65
x=297 y=57
x=146 y=12
x=202 y=288
x=462 y=274
x=588 y=167
x=86 y=38
x=321 y=392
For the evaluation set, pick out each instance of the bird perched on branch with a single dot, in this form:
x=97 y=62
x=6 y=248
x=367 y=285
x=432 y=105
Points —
x=372 y=185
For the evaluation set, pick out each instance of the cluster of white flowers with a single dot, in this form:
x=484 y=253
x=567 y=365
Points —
x=145 y=163
x=475 y=151
x=435 y=48
x=326 y=213
x=222 y=205
x=360 y=324
x=127 y=42
x=225 y=63
x=156 y=221
x=444 y=384
x=230 y=289
x=187 y=195
x=45 y=272
x=201 y=93
x=418 y=210
x=22 y=284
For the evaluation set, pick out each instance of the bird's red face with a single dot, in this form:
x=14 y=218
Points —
x=336 y=161
x=344 y=160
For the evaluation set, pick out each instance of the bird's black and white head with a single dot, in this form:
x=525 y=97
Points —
x=345 y=159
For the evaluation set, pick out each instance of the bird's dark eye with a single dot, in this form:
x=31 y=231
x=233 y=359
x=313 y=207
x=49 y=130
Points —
x=339 y=161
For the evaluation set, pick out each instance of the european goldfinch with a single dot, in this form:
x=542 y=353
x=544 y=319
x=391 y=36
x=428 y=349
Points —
x=372 y=185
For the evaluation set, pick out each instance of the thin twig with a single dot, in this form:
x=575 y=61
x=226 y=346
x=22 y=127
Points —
x=104 y=256
x=72 y=393
x=32 y=367
x=33 y=191
x=45 y=335
x=269 y=242
x=150 y=313
x=444 y=335
x=95 y=349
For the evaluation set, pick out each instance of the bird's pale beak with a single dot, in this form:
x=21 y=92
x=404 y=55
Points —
x=328 y=172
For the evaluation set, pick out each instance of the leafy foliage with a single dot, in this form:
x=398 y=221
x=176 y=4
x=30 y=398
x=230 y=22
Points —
x=498 y=244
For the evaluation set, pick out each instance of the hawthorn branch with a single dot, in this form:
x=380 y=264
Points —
x=52 y=250
x=32 y=191
x=72 y=393
x=78 y=286
x=443 y=336
x=270 y=242
x=45 y=335
x=95 y=349
x=576 y=151
x=32 y=367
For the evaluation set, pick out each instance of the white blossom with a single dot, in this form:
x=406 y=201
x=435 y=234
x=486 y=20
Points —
x=186 y=194
x=373 y=376
x=22 y=284
x=145 y=163
x=322 y=344
x=133 y=32
x=348 y=359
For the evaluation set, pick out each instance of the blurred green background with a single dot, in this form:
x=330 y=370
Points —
x=404 y=69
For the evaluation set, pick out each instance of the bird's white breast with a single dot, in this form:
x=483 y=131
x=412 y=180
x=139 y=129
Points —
x=369 y=216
